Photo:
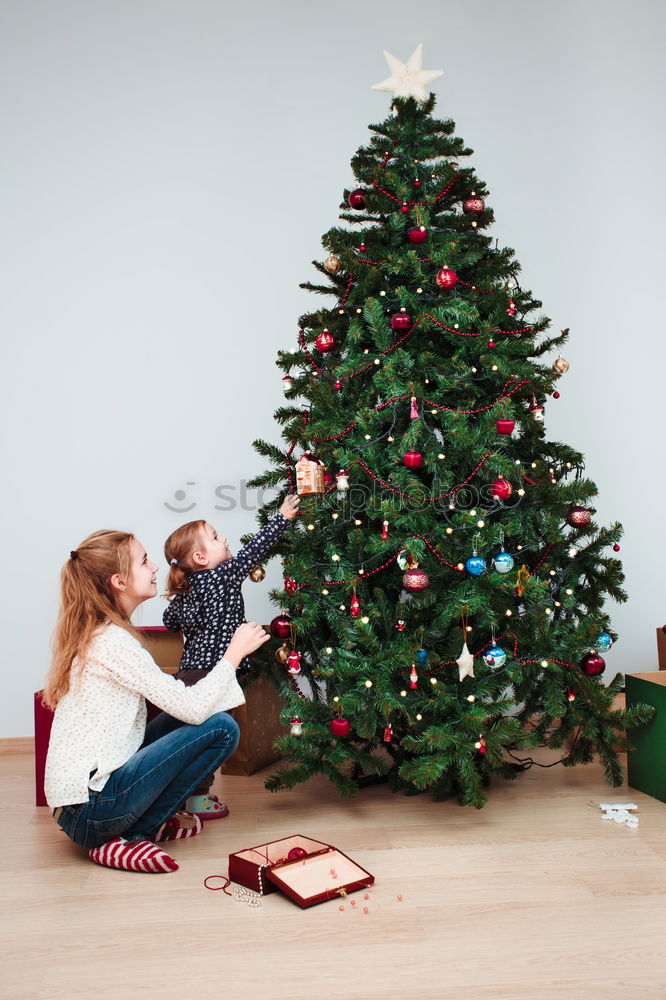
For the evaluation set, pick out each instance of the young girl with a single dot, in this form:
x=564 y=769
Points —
x=207 y=606
x=114 y=784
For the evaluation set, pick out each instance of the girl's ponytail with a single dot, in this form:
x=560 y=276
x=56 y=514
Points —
x=178 y=550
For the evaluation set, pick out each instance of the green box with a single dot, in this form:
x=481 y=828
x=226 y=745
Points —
x=646 y=764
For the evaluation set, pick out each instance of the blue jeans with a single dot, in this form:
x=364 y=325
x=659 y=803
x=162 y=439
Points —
x=139 y=796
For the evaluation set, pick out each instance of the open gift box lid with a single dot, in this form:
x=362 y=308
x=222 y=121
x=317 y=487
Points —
x=321 y=873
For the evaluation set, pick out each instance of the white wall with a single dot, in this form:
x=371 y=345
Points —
x=168 y=169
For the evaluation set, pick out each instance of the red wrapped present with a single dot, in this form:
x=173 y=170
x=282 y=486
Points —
x=307 y=871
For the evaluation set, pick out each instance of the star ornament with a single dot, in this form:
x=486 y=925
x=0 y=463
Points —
x=408 y=79
x=465 y=663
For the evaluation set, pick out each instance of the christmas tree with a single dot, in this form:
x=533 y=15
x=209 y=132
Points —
x=445 y=584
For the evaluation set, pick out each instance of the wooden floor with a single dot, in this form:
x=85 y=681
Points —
x=532 y=898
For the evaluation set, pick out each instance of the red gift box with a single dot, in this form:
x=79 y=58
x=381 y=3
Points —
x=321 y=874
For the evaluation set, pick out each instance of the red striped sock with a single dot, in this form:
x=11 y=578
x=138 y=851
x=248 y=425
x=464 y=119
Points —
x=133 y=856
x=181 y=824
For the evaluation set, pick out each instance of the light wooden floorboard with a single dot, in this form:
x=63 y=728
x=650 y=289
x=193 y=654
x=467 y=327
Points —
x=532 y=898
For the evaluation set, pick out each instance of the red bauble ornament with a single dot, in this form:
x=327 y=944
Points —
x=505 y=426
x=401 y=321
x=357 y=198
x=592 y=664
x=474 y=205
x=556 y=395
x=501 y=489
x=491 y=343
x=415 y=580
x=338 y=385
x=412 y=459
x=281 y=626
x=339 y=727
x=579 y=517
x=616 y=548
x=404 y=207
x=446 y=278
x=296 y=852
x=417 y=235
x=325 y=342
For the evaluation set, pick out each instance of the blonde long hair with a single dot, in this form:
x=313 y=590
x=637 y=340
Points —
x=178 y=549
x=86 y=601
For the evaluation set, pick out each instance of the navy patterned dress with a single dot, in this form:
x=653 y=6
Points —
x=211 y=612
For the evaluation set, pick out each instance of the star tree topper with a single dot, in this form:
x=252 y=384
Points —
x=408 y=79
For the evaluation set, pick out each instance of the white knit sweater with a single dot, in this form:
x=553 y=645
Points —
x=101 y=721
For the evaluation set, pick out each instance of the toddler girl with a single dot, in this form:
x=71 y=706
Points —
x=206 y=605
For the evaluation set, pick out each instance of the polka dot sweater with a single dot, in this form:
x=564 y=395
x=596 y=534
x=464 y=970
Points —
x=211 y=612
x=101 y=722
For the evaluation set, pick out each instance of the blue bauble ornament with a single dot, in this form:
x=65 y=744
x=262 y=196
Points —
x=475 y=565
x=503 y=563
x=421 y=655
x=494 y=657
x=603 y=642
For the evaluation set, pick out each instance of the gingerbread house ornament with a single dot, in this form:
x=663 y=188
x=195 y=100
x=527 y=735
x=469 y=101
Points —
x=309 y=475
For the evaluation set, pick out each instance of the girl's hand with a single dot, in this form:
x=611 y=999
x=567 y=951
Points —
x=247 y=637
x=289 y=508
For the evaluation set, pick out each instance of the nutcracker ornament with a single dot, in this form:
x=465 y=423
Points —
x=413 y=678
x=388 y=733
x=355 y=606
x=385 y=530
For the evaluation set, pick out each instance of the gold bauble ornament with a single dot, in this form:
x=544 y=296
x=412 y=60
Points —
x=560 y=365
x=332 y=264
x=257 y=574
x=282 y=654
